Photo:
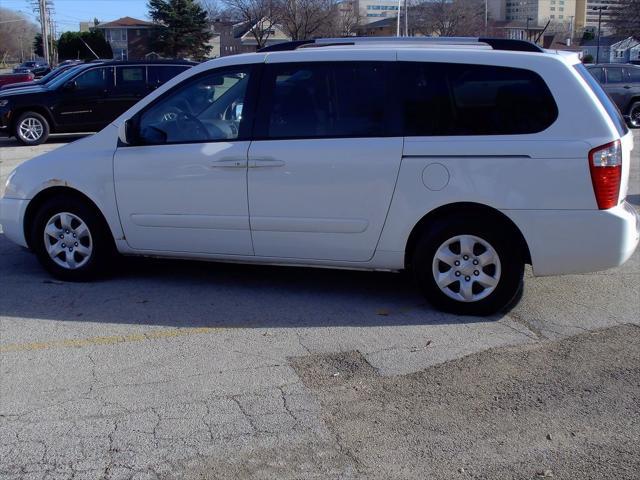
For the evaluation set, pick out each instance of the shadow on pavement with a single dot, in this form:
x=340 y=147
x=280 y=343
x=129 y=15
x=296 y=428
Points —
x=203 y=294
x=53 y=139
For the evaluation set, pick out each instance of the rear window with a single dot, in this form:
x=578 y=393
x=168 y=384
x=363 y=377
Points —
x=614 y=75
x=609 y=106
x=159 y=74
x=464 y=99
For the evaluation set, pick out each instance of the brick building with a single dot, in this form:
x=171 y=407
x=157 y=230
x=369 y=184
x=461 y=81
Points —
x=130 y=38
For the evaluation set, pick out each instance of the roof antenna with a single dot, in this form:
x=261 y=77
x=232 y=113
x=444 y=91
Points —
x=87 y=45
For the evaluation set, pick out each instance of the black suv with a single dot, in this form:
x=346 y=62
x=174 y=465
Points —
x=622 y=83
x=39 y=69
x=86 y=99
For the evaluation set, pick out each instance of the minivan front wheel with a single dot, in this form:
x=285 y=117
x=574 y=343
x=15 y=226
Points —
x=31 y=128
x=71 y=239
x=468 y=267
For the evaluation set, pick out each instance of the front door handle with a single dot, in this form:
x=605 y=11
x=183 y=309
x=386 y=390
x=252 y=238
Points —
x=265 y=162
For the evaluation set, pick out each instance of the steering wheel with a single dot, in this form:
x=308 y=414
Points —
x=176 y=114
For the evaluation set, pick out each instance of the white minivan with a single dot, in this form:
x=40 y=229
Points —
x=461 y=160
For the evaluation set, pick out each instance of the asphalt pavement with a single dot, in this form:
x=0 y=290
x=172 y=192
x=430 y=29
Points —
x=173 y=369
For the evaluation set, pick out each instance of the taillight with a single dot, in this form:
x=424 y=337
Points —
x=605 y=163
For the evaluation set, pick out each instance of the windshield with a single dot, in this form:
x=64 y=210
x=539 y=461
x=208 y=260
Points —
x=53 y=74
x=66 y=75
x=605 y=100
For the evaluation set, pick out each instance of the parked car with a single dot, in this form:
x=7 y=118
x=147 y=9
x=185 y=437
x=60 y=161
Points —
x=9 y=78
x=85 y=100
x=622 y=83
x=49 y=77
x=458 y=162
x=38 y=68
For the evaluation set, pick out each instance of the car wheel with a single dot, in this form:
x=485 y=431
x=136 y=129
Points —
x=634 y=115
x=31 y=129
x=71 y=239
x=468 y=266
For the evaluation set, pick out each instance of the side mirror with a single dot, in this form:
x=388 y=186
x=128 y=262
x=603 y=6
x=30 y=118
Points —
x=70 y=86
x=127 y=133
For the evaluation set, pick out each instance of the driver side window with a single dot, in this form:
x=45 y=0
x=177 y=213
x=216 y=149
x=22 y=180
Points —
x=206 y=109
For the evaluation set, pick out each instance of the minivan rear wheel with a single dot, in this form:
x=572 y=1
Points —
x=31 y=128
x=468 y=266
x=634 y=115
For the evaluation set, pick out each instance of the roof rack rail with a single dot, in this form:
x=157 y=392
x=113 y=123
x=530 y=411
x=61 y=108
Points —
x=495 y=43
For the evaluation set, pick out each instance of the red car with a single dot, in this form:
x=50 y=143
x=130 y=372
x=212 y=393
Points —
x=8 y=78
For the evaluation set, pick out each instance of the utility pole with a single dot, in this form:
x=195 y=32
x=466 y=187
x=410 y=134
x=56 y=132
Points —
x=42 y=4
x=486 y=18
x=599 y=9
x=406 y=19
x=398 y=18
x=52 y=53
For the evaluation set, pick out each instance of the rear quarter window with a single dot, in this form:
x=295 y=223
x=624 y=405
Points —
x=604 y=99
x=465 y=99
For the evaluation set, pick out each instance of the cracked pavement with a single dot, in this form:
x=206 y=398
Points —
x=174 y=370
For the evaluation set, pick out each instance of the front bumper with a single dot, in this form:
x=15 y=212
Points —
x=12 y=219
x=578 y=241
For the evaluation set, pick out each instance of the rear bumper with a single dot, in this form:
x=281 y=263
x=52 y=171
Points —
x=578 y=241
x=12 y=219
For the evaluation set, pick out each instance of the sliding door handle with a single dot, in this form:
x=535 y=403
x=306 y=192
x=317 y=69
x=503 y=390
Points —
x=265 y=162
x=229 y=163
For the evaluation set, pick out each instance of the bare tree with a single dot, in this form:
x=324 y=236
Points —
x=17 y=34
x=446 y=18
x=262 y=15
x=216 y=10
x=626 y=19
x=304 y=19
x=347 y=18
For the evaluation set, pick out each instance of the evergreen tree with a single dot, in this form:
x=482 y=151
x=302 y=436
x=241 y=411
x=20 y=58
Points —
x=183 y=28
x=71 y=45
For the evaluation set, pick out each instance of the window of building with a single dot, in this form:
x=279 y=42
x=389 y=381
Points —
x=322 y=99
x=459 y=99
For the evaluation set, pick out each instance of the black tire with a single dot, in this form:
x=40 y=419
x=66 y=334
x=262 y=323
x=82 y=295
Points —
x=489 y=230
x=37 y=119
x=634 y=115
x=102 y=249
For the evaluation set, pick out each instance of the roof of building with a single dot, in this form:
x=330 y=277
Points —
x=518 y=24
x=385 y=22
x=125 y=22
x=604 y=41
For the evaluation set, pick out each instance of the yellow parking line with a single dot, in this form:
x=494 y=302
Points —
x=107 y=340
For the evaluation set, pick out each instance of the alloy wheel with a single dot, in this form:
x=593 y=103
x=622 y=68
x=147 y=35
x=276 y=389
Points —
x=30 y=129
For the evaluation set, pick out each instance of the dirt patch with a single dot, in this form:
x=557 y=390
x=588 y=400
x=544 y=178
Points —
x=568 y=409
